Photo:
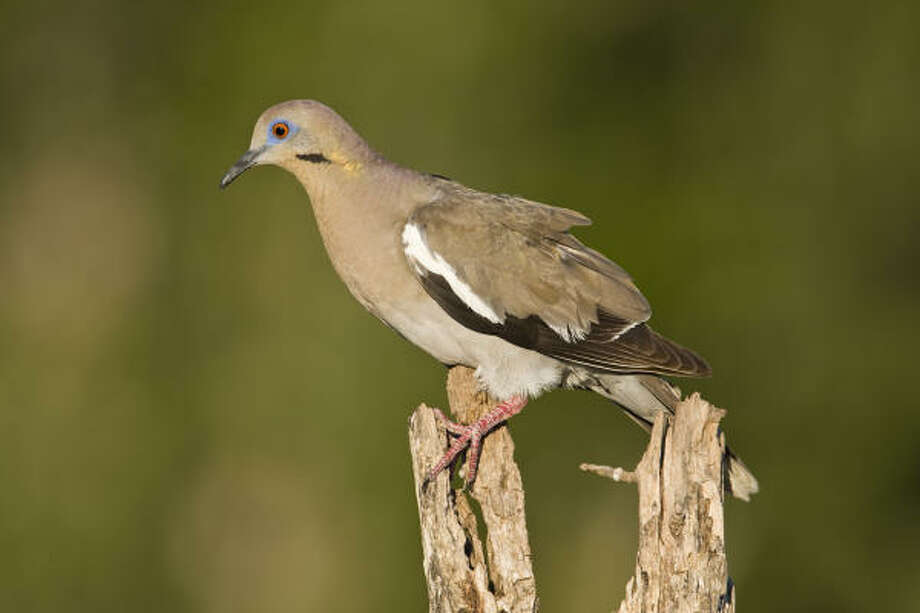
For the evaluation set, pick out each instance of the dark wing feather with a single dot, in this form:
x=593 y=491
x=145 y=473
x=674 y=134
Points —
x=552 y=293
x=638 y=350
x=607 y=347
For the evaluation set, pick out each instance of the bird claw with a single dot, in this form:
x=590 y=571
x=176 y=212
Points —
x=451 y=426
x=469 y=439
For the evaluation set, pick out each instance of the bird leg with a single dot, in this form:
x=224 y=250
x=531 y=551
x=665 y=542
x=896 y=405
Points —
x=471 y=435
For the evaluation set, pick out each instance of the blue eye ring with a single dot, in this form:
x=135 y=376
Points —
x=279 y=130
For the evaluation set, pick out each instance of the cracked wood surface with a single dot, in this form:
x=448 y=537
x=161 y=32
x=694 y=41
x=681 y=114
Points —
x=461 y=573
x=680 y=564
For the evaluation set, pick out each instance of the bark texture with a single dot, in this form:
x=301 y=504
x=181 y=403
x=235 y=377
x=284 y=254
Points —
x=680 y=565
x=462 y=573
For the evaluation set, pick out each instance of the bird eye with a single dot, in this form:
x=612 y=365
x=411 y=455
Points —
x=280 y=130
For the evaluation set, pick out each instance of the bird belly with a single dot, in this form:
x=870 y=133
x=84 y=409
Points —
x=503 y=369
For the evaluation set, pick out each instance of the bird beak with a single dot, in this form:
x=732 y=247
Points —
x=249 y=159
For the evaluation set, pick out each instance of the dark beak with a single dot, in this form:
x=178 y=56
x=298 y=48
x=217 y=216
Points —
x=249 y=159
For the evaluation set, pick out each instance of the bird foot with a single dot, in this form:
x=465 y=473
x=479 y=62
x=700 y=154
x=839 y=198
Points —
x=469 y=436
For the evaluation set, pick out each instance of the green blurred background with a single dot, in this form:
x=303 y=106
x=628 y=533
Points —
x=196 y=416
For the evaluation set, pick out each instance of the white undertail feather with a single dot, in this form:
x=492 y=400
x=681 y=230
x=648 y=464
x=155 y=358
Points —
x=518 y=372
x=742 y=481
x=422 y=257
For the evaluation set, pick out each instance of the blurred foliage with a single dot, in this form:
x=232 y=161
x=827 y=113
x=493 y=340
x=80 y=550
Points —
x=196 y=416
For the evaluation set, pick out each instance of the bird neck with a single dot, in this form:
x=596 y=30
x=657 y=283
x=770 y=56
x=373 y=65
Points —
x=360 y=211
x=332 y=179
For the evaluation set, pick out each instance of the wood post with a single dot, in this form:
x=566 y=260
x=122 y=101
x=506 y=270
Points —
x=462 y=573
x=680 y=564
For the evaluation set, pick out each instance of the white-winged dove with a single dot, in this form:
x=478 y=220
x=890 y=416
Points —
x=494 y=282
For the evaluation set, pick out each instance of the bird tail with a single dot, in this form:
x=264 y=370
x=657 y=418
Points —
x=741 y=481
x=642 y=397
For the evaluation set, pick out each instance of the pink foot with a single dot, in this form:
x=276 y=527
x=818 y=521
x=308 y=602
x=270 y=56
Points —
x=470 y=436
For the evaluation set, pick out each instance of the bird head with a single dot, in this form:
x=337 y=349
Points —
x=301 y=135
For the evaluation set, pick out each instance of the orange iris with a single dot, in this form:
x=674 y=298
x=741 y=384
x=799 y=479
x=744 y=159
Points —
x=280 y=130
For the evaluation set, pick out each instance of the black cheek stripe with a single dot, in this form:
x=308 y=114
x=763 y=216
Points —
x=314 y=158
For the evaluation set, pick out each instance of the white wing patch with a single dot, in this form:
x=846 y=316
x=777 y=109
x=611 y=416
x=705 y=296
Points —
x=627 y=329
x=424 y=259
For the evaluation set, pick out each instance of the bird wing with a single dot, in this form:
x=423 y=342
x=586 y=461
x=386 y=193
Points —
x=509 y=267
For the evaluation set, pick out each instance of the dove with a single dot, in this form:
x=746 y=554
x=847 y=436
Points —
x=494 y=282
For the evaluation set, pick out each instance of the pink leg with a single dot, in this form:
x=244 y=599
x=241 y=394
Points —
x=471 y=436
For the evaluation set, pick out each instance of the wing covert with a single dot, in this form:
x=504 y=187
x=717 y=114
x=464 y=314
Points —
x=509 y=267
